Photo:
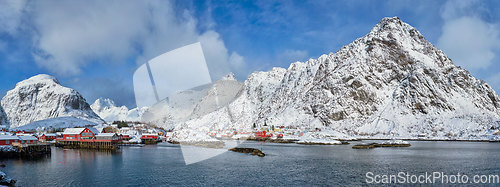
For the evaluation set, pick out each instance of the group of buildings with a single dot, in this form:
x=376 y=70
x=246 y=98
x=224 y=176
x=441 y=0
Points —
x=85 y=134
x=18 y=138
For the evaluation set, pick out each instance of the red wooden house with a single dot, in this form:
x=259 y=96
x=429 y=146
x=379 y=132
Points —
x=79 y=134
x=8 y=140
x=28 y=139
x=126 y=136
x=149 y=137
x=48 y=137
x=263 y=134
x=108 y=137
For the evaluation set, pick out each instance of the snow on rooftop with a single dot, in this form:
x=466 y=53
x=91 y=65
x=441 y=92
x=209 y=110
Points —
x=79 y=130
x=149 y=134
x=94 y=130
x=5 y=137
x=106 y=134
x=73 y=130
x=26 y=138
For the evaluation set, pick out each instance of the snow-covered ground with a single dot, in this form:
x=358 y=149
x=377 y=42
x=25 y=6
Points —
x=7 y=148
x=55 y=123
x=319 y=141
x=395 y=142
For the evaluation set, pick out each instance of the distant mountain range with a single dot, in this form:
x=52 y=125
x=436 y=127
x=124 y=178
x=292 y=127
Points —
x=390 y=83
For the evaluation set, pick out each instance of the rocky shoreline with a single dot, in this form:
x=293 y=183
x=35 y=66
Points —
x=325 y=143
x=4 y=179
x=390 y=143
x=211 y=144
x=365 y=139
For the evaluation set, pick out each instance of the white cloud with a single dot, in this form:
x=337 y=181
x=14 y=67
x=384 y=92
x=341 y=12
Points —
x=470 y=42
x=10 y=15
x=82 y=31
x=456 y=9
x=467 y=39
x=72 y=35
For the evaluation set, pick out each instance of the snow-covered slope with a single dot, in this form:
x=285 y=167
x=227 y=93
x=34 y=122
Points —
x=56 y=123
x=42 y=97
x=108 y=111
x=390 y=83
x=193 y=103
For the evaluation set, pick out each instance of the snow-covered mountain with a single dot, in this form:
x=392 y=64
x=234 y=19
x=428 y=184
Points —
x=3 y=118
x=390 y=83
x=55 y=123
x=43 y=97
x=108 y=111
x=193 y=103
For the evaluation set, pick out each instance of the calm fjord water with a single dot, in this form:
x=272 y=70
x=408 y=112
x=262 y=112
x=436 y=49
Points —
x=285 y=164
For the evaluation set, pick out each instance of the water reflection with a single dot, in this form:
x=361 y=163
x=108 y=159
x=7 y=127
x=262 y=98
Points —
x=284 y=164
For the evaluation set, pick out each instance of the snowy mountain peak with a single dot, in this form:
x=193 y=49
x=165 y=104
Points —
x=391 y=82
x=394 y=25
x=102 y=103
x=108 y=111
x=42 y=97
x=39 y=79
x=229 y=76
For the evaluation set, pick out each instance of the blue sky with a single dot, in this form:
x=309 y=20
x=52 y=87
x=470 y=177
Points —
x=95 y=46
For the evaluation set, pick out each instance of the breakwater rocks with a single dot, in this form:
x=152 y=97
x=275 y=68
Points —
x=252 y=151
x=4 y=180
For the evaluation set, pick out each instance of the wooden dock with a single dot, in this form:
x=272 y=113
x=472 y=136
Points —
x=101 y=145
x=30 y=151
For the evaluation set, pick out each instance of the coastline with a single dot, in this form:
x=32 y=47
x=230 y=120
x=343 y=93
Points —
x=368 y=139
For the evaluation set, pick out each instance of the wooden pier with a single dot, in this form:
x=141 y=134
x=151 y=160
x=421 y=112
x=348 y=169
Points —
x=30 y=151
x=101 y=145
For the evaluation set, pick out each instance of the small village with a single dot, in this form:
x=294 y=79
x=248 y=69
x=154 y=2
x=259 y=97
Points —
x=105 y=138
x=111 y=137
